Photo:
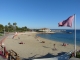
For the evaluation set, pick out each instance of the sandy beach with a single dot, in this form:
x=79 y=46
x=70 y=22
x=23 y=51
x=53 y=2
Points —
x=33 y=47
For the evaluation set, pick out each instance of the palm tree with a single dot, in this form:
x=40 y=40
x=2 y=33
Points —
x=14 y=26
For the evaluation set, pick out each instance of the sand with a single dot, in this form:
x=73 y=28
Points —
x=33 y=47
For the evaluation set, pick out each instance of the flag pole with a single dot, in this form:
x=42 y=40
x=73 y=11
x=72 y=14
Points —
x=75 y=33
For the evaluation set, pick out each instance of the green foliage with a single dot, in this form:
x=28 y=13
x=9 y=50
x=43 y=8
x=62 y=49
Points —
x=1 y=27
x=78 y=54
x=0 y=34
x=13 y=27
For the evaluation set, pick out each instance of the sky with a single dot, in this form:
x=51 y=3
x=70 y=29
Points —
x=39 y=13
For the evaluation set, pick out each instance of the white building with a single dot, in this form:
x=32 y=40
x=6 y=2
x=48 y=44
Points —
x=45 y=30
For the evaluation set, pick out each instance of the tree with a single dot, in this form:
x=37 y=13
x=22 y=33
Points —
x=1 y=28
x=24 y=28
x=8 y=26
x=11 y=28
x=14 y=26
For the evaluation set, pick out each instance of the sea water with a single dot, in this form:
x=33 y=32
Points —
x=64 y=37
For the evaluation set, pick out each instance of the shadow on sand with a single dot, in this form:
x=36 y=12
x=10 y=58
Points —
x=49 y=55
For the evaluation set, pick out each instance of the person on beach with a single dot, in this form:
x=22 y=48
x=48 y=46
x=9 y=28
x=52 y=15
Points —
x=36 y=37
x=15 y=35
x=64 y=44
x=54 y=47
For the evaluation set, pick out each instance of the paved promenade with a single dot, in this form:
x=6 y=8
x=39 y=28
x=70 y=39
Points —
x=2 y=38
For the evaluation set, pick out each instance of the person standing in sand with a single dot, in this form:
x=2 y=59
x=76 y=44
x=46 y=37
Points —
x=54 y=47
x=14 y=35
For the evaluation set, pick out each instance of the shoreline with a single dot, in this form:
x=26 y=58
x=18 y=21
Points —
x=57 y=41
x=54 y=39
x=33 y=46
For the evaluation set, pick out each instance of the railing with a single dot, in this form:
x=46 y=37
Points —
x=13 y=55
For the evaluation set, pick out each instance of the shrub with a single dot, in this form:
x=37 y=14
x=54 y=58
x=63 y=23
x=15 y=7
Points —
x=0 y=34
x=78 y=54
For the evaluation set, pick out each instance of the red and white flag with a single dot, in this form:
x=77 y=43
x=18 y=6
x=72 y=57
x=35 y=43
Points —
x=67 y=22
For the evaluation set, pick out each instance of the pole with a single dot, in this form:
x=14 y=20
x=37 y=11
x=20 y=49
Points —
x=75 y=33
